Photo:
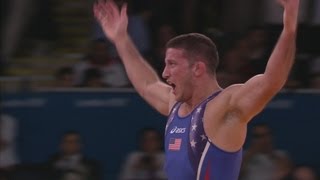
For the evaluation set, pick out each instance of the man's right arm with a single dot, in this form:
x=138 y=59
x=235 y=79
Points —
x=143 y=77
x=114 y=23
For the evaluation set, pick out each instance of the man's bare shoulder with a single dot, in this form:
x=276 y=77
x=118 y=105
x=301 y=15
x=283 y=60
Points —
x=226 y=93
x=220 y=105
x=232 y=88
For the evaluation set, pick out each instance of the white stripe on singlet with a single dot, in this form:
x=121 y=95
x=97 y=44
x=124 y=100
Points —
x=202 y=158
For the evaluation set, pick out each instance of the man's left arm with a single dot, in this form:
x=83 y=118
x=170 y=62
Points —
x=251 y=97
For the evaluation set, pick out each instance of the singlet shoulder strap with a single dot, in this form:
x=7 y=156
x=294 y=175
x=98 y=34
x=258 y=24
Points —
x=172 y=113
x=177 y=105
x=196 y=132
x=213 y=95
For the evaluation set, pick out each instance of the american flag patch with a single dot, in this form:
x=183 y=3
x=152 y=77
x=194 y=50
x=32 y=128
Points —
x=174 y=144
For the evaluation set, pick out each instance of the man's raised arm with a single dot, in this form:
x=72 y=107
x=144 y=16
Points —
x=114 y=23
x=252 y=96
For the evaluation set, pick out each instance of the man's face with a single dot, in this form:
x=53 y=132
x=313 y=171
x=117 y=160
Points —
x=262 y=137
x=151 y=141
x=71 y=144
x=100 y=53
x=178 y=73
x=66 y=80
x=304 y=173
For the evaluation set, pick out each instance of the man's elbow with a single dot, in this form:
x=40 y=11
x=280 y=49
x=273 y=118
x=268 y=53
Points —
x=275 y=84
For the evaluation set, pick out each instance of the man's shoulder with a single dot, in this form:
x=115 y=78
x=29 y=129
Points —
x=223 y=99
x=232 y=88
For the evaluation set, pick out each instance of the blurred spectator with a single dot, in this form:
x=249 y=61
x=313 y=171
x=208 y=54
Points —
x=245 y=57
x=137 y=28
x=257 y=38
x=271 y=17
x=315 y=73
x=303 y=172
x=70 y=163
x=283 y=169
x=140 y=33
x=239 y=15
x=164 y=33
x=113 y=73
x=93 y=78
x=148 y=161
x=235 y=65
x=64 y=77
x=315 y=20
x=152 y=12
x=315 y=81
x=8 y=156
x=3 y=66
x=14 y=25
x=272 y=12
x=43 y=30
x=25 y=20
x=209 y=12
x=261 y=160
x=298 y=77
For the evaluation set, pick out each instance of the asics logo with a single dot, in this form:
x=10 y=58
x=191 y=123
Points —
x=177 y=130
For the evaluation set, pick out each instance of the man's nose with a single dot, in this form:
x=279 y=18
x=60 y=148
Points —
x=165 y=74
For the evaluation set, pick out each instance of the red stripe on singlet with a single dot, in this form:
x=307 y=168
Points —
x=207 y=174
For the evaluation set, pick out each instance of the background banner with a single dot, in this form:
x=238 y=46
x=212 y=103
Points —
x=109 y=122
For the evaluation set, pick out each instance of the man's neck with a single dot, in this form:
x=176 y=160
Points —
x=201 y=93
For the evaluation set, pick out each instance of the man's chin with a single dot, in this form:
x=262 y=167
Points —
x=178 y=98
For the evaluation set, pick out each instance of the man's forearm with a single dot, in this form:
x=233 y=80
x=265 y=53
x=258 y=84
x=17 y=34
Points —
x=281 y=59
x=139 y=71
x=283 y=55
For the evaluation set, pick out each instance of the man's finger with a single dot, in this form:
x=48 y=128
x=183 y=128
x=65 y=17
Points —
x=282 y=2
x=124 y=10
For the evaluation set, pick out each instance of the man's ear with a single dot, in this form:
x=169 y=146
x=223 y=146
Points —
x=199 y=68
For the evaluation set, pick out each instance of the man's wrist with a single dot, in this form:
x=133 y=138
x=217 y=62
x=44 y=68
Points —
x=121 y=39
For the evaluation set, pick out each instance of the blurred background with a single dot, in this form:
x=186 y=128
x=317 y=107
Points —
x=68 y=110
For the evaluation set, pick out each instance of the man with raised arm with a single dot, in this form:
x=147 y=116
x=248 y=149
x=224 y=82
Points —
x=207 y=125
